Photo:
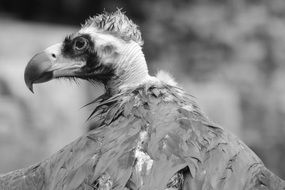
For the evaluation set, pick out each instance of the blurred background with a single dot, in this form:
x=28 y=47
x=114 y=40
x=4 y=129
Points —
x=230 y=54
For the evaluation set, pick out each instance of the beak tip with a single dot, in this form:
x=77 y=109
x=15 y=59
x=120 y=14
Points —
x=30 y=86
x=31 y=89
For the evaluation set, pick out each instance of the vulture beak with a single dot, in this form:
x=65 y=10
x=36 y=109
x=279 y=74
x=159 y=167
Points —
x=49 y=64
x=37 y=70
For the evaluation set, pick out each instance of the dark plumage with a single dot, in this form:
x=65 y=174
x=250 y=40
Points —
x=149 y=135
x=180 y=141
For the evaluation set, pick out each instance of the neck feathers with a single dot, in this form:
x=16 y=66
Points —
x=110 y=108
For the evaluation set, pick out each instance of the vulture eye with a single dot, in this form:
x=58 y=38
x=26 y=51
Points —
x=80 y=43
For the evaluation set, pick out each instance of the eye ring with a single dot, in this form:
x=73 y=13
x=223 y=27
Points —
x=80 y=43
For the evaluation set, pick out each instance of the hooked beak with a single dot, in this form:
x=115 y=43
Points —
x=38 y=70
x=49 y=64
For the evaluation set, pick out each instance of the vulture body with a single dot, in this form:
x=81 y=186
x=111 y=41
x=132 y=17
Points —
x=149 y=134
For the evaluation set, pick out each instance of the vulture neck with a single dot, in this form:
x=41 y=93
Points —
x=130 y=70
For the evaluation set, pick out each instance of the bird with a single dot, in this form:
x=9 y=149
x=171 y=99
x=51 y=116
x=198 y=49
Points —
x=149 y=133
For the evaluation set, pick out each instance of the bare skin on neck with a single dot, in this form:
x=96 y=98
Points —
x=131 y=69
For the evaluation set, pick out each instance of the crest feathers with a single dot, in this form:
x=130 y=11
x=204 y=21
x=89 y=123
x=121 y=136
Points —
x=116 y=23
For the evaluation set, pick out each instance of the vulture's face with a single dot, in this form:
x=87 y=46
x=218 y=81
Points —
x=87 y=54
x=99 y=51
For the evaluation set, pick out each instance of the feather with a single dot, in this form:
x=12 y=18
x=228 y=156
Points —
x=151 y=137
x=166 y=78
x=118 y=24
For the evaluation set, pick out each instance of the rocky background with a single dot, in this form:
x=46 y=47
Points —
x=230 y=54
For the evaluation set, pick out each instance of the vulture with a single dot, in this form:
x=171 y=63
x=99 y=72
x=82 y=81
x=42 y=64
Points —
x=149 y=133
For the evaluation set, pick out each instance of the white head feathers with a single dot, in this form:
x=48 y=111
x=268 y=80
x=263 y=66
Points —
x=118 y=24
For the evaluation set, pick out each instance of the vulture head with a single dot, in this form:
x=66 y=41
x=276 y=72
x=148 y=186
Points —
x=107 y=49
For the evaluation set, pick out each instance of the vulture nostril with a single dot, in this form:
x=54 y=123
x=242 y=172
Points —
x=53 y=55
